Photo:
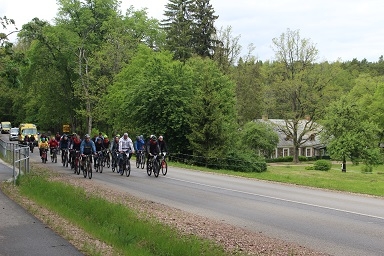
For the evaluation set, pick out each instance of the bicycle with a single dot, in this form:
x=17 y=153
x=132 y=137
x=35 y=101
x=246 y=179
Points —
x=163 y=164
x=64 y=157
x=54 y=155
x=44 y=155
x=115 y=159
x=126 y=164
x=99 y=162
x=31 y=146
x=87 y=168
x=106 y=158
x=140 y=159
x=153 y=165
x=76 y=162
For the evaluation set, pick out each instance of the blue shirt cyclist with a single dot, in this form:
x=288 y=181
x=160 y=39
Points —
x=87 y=146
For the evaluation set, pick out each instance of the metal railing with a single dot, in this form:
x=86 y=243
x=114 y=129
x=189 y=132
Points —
x=17 y=155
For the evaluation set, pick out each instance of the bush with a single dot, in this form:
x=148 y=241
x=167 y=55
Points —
x=366 y=168
x=322 y=165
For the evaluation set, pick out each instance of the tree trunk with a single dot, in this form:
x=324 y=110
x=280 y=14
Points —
x=344 y=165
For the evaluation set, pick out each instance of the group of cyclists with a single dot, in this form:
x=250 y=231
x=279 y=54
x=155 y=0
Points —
x=101 y=144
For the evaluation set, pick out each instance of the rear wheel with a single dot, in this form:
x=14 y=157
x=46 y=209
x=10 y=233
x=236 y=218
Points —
x=142 y=161
x=164 y=167
x=149 y=168
x=101 y=166
x=89 y=171
x=128 y=168
x=156 y=168
x=138 y=157
x=85 y=170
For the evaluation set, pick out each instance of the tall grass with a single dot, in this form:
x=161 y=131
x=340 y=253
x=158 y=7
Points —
x=113 y=223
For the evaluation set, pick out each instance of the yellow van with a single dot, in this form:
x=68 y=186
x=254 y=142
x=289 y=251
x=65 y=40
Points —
x=27 y=129
x=5 y=127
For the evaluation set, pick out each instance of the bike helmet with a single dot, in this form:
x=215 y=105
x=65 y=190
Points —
x=153 y=137
x=87 y=136
x=105 y=137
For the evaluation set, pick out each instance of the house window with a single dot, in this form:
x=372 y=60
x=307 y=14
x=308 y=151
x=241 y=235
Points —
x=285 y=152
x=308 y=152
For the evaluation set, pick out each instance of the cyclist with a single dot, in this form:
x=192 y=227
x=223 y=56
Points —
x=57 y=137
x=43 y=145
x=125 y=144
x=26 y=139
x=162 y=145
x=139 y=145
x=73 y=147
x=99 y=148
x=152 y=148
x=107 y=145
x=63 y=145
x=87 y=147
x=53 y=143
x=32 y=139
x=115 y=148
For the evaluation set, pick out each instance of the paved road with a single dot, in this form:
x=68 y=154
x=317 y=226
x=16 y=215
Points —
x=23 y=234
x=332 y=222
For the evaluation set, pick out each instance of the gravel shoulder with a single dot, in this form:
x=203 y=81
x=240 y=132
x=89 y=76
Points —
x=236 y=241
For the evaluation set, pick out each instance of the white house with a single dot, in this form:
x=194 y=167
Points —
x=311 y=145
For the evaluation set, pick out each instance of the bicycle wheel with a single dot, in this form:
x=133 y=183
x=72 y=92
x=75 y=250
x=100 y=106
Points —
x=113 y=165
x=164 y=167
x=156 y=168
x=128 y=168
x=108 y=162
x=85 y=170
x=101 y=166
x=90 y=170
x=77 y=165
x=74 y=166
x=142 y=161
x=149 y=168
x=138 y=158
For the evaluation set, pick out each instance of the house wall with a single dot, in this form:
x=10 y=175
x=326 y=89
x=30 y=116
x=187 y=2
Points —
x=304 y=151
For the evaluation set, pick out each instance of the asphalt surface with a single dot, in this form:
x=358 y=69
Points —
x=23 y=234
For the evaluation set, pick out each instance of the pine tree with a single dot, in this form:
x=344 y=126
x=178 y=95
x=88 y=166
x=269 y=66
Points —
x=203 y=30
x=177 y=25
x=189 y=25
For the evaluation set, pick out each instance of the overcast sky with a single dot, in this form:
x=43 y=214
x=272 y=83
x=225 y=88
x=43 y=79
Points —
x=341 y=29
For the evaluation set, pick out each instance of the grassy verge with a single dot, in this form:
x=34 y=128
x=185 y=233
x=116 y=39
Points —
x=112 y=223
x=354 y=180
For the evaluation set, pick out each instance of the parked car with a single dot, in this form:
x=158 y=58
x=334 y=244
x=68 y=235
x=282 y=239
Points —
x=14 y=133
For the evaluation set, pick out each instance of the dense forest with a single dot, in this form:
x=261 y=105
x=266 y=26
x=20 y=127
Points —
x=98 y=69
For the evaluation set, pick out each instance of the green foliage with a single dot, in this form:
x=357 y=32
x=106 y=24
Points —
x=259 y=137
x=349 y=135
x=242 y=161
x=152 y=96
x=322 y=165
x=367 y=168
x=190 y=29
x=212 y=118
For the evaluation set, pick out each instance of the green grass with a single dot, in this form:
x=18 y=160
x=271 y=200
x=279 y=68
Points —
x=112 y=223
x=354 y=180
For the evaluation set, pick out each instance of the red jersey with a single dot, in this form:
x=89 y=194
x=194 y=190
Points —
x=53 y=143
